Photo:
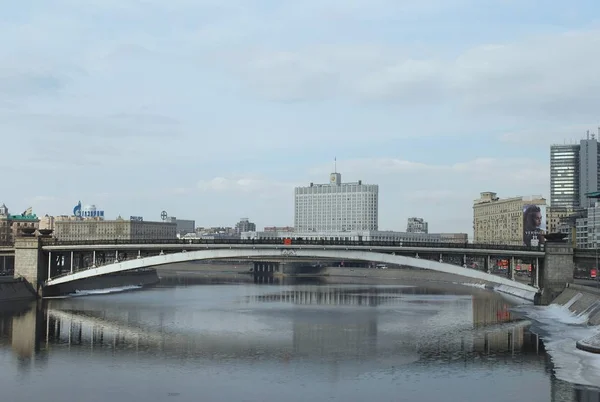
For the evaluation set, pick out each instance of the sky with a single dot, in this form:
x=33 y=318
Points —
x=214 y=110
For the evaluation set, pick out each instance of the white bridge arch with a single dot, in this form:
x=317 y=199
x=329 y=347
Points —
x=287 y=253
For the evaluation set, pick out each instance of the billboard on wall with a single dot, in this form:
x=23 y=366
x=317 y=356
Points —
x=534 y=225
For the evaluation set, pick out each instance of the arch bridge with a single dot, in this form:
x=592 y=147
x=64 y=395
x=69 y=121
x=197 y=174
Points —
x=67 y=262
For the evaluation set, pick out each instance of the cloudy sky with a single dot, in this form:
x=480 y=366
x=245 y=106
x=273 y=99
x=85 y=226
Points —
x=214 y=110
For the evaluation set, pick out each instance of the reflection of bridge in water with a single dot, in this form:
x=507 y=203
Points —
x=347 y=336
x=55 y=331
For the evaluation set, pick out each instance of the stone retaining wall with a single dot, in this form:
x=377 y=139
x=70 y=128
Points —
x=581 y=300
x=15 y=290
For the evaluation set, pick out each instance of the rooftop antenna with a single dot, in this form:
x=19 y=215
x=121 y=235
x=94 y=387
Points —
x=335 y=164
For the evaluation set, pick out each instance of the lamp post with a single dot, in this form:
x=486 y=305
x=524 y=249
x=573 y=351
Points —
x=595 y=196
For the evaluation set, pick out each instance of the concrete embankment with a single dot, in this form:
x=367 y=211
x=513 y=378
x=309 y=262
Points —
x=581 y=300
x=13 y=290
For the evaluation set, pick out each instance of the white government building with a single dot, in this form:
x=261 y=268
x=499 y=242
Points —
x=336 y=206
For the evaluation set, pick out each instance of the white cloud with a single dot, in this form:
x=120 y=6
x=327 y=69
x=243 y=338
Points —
x=515 y=169
x=544 y=135
x=553 y=75
x=128 y=104
x=262 y=187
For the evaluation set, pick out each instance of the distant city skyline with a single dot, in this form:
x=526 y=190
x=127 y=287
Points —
x=218 y=111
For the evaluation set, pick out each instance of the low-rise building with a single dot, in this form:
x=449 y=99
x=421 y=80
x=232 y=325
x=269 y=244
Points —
x=119 y=229
x=12 y=225
x=417 y=225
x=582 y=227
x=244 y=225
x=278 y=229
x=184 y=226
x=556 y=215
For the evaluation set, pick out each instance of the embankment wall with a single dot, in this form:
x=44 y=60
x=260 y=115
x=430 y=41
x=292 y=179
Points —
x=12 y=290
x=580 y=300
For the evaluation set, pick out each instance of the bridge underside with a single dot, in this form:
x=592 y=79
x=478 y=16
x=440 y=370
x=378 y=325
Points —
x=290 y=255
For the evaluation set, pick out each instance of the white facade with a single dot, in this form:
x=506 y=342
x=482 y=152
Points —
x=336 y=207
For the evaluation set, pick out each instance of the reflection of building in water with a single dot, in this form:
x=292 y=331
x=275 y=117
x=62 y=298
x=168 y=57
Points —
x=318 y=335
x=500 y=341
x=360 y=296
x=337 y=340
x=489 y=311
x=338 y=335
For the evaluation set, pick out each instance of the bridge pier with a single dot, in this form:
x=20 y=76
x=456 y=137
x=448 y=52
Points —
x=28 y=258
x=265 y=268
x=556 y=272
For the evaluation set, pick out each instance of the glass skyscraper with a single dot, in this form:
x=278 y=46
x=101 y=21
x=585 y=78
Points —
x=564 y=176
x=574 y=172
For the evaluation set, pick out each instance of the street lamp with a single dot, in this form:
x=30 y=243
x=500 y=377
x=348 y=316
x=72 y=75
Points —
x=595 y=196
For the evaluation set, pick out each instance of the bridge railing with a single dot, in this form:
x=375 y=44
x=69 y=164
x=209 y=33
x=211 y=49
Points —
x=292 y=242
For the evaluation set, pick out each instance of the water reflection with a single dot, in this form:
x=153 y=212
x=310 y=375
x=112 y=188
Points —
x=353 y=330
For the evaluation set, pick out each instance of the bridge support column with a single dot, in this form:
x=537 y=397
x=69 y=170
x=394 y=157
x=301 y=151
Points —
x=94 y=259
x=488 y=264
x=29 y=262
x=556 y=272
x=49 y=265
x=72 y=261
x=512 y=268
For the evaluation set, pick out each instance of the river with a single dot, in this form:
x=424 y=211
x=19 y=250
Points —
x=198 y=339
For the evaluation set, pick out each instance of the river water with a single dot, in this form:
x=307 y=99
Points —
x=214 y=340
